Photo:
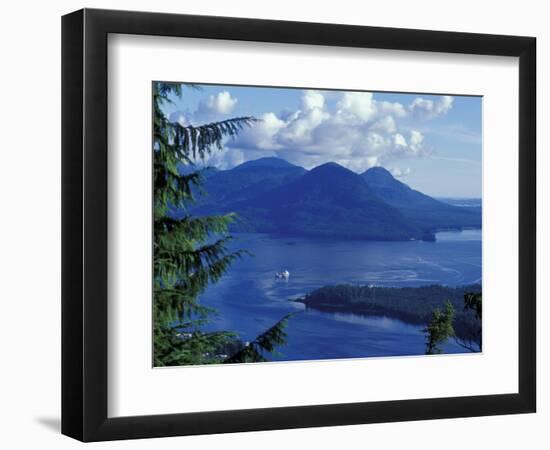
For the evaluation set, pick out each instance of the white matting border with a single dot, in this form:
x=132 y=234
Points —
x=135 y=388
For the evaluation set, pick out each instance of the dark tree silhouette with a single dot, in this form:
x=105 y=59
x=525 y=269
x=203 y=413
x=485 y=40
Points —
x=439 y=329
x=189 y=252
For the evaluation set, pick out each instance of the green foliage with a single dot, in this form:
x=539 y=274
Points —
x=174 y=144
x=439 y=329
x=190 y=252
x=472 y=301
x=471 y=337
x=441 y=326
x=173 y=347
x=265 y=342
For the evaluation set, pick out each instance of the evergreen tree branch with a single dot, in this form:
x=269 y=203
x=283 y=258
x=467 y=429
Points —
x=265 y=342
x=190 y=253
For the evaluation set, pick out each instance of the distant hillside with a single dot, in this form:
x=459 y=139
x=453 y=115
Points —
x=328 y=201
x=472 y=204
x=270 y=162
x=246 y=181
x=425 y=211
x=270 y=195
x=462 y=202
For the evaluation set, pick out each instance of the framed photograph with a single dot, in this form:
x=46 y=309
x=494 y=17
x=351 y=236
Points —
x=273 y=224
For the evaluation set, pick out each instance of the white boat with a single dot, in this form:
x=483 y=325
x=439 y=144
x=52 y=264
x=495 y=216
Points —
x=284 y=275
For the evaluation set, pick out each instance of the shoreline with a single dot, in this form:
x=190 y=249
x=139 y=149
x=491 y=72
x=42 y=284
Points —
x=412 y=305
x=282 y=235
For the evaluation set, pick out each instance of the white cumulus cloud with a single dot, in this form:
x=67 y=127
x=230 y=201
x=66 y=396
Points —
x=354 y=130
x=357 y=104
x=351 y=128
x=222 y=103
x=386 y=124
x=179 y=117
x=400 y=173
x=215 y=107
x=428 y=109
x=261 y=136
x=416 y=141
x=399 y=140
x=394 y=108
x=312 y=100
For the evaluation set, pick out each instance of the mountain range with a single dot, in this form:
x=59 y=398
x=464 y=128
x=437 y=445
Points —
x=271 y=195
x=425 y=211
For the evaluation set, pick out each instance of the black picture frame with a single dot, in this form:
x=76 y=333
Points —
x=84 y=224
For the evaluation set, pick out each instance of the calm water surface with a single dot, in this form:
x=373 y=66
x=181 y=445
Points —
x=250 y=299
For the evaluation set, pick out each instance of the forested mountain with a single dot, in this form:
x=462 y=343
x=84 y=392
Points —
x=271 y=195
x=425 y=211
x=246 y=181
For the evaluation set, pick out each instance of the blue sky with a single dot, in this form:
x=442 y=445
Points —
x=430 y=142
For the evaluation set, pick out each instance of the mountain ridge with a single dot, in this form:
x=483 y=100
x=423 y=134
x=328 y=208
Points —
x=271 y=195
x=427 y=212
x=266 y=161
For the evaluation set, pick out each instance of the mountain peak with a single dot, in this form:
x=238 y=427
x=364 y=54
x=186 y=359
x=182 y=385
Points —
x=331 y=172
x=379 y=172
x=327 y=201
x=421 y=209
x=378 y=176
x=331 y=167
x=329 y=164
x=268 y=161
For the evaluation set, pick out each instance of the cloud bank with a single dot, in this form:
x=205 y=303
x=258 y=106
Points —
x=355 y=130
x=210 y=109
